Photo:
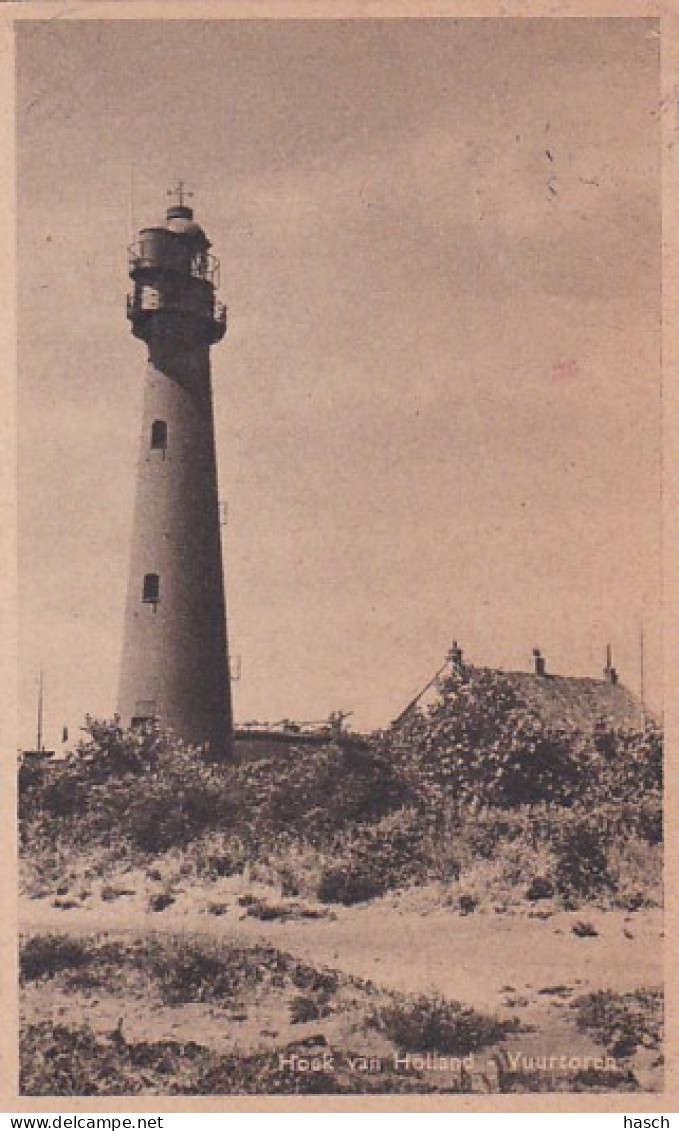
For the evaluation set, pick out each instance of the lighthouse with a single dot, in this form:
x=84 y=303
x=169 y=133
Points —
x=175 y=667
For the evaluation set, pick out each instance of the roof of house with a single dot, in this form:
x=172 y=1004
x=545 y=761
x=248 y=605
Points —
x=570 y=701
x=576 y=701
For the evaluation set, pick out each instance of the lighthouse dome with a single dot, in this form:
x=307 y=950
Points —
x=180 y=221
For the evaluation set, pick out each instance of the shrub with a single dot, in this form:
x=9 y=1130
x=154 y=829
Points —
x=57 y=1060
x=432 y=1024
x=584 y=929
x=160 y=900
x=224 y=859
x=636 y=867
x=110 y=892
x=588 y=1080
x=175 y=969
x=269 y=912
x=540 y=887
x=193 y=970
x=43 y=956
x=374 y=858
x=315 y=981
x=304 y=1008
x=622 y=1021
x=481 y=743
x=321 y=791
x=349 y=885
x=195 y=974
x=217 y=908
x=582 y=862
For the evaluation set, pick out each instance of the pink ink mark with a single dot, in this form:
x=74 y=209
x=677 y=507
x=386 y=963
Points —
x=564 y=367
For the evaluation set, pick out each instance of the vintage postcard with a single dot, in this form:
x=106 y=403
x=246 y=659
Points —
x=341 y=393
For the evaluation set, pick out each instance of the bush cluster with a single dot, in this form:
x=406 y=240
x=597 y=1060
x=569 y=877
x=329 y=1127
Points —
x=481 y=744
x=311 y=794
x=622 y=1021
x=434 y=1024
x=74 y=1061
x=373 y=859
x=477 y=778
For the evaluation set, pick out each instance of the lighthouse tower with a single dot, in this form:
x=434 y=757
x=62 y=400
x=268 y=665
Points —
x=175 y=663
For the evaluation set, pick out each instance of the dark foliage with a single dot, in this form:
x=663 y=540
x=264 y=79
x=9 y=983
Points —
x=57 y=1060
x=373 y=859
x=478 y=775
x=312 y=794
x=432 y=1024
x=173 y=970
x=622 y=1021
x=44 y=956
x=588 y=1080
x=348 y=885
x=305 y=1008
x=582 y=862
x=480 y=743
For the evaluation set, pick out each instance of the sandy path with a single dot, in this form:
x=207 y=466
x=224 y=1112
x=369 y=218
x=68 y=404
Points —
x=472 y=958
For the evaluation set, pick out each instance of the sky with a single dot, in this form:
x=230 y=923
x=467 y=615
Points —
x=438 y=402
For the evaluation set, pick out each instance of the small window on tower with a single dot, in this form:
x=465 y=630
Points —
x=151 y=590
x=159 y=435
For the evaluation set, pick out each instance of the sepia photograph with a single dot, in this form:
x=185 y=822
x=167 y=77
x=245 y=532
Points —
x=340 y=682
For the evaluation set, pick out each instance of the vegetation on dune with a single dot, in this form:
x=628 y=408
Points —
x=74 y=1061
x=61 y=1060
x=95 y=794
x=232 y=980
x=590 y=1080
x=45 y=956
x=622 y=1022
x=228 y=979
x=477 y=792
x=174 y=970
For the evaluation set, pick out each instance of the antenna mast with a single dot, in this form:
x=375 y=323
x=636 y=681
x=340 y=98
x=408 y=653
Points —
x=133 y=227
x=641 y=675
x=39 y=745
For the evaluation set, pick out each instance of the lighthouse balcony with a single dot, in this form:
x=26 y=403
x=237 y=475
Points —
x=143 y=305
x=151 y=254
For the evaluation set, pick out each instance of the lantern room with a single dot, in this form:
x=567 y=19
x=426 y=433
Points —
x=174 y=272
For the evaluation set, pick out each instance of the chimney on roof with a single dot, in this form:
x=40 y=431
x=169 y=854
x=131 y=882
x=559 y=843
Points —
x=610 y=674
x=540 y=662
x=455 y=657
